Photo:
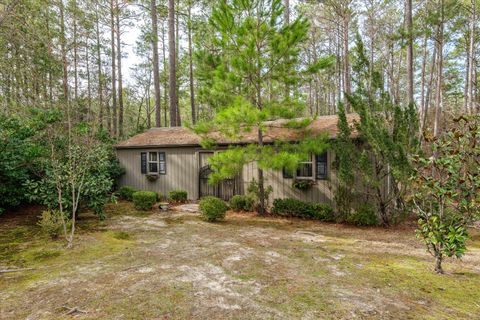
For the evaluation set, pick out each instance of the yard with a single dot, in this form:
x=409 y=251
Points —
x=153 y=265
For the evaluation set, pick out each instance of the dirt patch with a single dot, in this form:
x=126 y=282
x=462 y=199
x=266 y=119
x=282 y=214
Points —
x=173 y=265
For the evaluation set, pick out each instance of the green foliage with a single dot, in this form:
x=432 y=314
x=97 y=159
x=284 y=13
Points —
x=364 y=215
x=388 y=135
x=144 y=200
x=212 y=208
x=19 y=148
x=178 y=195
x=303 y=184
x=51 y=223
x=446 y=182
x=253 y=192
x=96 y=181
x=250 y=40
x=300 y=209
x=241 y=203
x=126 y=192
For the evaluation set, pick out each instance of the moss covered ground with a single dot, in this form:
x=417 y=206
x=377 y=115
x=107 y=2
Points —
x=156 y=265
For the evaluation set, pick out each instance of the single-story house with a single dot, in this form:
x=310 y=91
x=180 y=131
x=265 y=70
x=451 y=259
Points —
x=164 y=159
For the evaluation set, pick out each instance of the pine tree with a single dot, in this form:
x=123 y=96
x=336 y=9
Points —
x=254 y=55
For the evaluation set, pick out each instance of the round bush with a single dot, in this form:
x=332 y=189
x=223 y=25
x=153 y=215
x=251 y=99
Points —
x=178 y=195
x=365 y=215
x=241 y=203
x=144 y=200
x=126 y=192
x=213 y=208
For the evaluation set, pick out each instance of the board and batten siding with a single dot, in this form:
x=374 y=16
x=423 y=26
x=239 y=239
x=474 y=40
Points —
x=182 y=170
x=322 y=191
x=183 y=165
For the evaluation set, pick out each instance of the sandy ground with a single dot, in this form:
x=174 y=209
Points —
x=173 y=265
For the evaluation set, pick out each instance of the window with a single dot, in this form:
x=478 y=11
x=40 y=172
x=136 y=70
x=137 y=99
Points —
x=157 y=162
x=321 y=166
x=305 y=170
x=286 y=174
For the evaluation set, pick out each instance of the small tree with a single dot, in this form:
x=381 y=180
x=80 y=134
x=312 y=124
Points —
x=387 y=135
x=447 y=186
x=79 y=172
x=253 y=57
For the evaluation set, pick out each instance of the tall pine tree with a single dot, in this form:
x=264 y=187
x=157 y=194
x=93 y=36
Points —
x=253 y=58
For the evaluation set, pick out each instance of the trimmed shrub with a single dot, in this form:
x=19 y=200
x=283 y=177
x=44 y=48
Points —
x=144 y=200
x=161 y=197
x=365 y=215
x=51 y=223
x=241 y=203
x=212 y=208
x=178 y=195
x=301 y=209
x=126 y=193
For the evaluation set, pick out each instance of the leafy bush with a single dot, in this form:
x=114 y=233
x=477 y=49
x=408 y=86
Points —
x=18 y=150
x=161 y=197
x=253 y=191
x=144 y=200
x=241 y=202
x=178 y=195
x=212 y=208
x=297 y=208
x=51 y=223
x=365 y=215
x=126 y=192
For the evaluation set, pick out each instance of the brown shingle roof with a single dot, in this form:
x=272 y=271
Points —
x=275 y=130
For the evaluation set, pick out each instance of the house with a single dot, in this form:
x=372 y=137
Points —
x=164 y=159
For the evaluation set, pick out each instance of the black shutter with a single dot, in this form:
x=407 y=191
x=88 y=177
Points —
x=286 y=174
x=162 y=160
x=321 y=166
x=143 y=162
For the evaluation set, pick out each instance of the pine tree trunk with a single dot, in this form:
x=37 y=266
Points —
x=346 y=63
x=114 y=75
x=190 y=61
x=89 y=85
x=172 y=64
x=471 y=61
x=75 y=57
x=120 y=80
x=99 y=69
x=422 y=80
x=409 y=21
x=165 y=89
x=64 y=53
x=156 y=68
x=439 y=89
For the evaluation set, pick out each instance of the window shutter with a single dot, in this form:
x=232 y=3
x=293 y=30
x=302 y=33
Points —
x=143 y=162
x=322 y=166
x=162 y=160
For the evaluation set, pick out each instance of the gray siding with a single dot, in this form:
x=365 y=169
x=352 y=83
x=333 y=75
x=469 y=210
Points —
x=322 y=191
x=183 y=165
x=182 y=170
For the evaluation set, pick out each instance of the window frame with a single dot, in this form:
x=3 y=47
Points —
x=161 y=161
x=324 y=158
x=314 y=159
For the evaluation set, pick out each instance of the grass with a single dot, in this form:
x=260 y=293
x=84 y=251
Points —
x=145 y=265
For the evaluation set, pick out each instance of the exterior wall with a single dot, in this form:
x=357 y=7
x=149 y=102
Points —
x=322 y=191
x=182 y=170
x=183 y=165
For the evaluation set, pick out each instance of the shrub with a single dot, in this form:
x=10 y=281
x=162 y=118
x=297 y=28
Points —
x=51 y=223
x=178 y=195
x=241 y=202
x=365 y=215
x=161 y=197
x=144 y=200
x=301 y=209
x=126 y=192
x=212 y=208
